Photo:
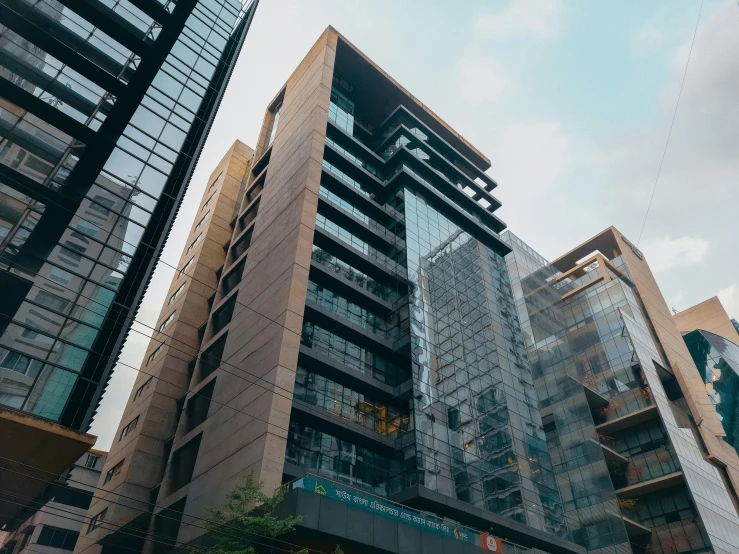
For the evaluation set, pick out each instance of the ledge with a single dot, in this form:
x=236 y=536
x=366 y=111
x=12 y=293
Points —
x=37 y=451
x=612 y=457
x=635 y=530
x=653 y=485
x=629 y=420
x=422 y=498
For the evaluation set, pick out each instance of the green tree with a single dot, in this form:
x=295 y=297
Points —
x=248 y=515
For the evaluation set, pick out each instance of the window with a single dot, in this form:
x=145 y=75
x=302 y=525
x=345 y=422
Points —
x=19 y=363
x=96 y=520
x=60 y=276
x=72 y=251
x=103 y=205
x=57 y=538
x=142 y=388
x=275 y=121
x=207 y=203
x=215 y=182
x=38 y=337
x=176 y=294
x=223 y=315
x=91 y=460
x=128 y=428
x=186 y=267
x=155 y=353
x=192 y=245
x=167 y=321
x=113 y=472
x=52 y=301
x=86 y=229
x=201 y=221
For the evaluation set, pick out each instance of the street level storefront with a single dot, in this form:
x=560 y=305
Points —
x=334 y=513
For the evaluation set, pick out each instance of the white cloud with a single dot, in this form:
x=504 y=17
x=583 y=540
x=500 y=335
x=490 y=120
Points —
x=481 y=81
x=665 y=253
x=528 y=157
x=528 y=18
x=730 y=299
x=647 y=39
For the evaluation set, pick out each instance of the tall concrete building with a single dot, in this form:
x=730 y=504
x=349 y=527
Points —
x=104 y=108
x=624 y=407
x=342 y=323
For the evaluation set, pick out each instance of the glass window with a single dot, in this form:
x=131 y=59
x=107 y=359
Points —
x=167 y=321
x=275 y=122
x=156 y=353
x=113 y=472
x=128 y=428
x=97 y=520
x=176 y=294
x=91 y=461
x=142 y=388
x=55 y=537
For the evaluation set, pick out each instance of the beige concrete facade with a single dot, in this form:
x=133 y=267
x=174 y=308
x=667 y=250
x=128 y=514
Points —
x=163 y=380
x=709 y=315
x=260 y=358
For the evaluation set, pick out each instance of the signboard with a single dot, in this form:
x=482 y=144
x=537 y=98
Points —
x=396 y=512
x=491 y=543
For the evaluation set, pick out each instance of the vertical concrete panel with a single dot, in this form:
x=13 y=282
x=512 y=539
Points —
x=258 y=367
x=142 y=451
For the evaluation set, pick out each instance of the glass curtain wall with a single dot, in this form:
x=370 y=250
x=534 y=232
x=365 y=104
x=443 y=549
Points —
x=46 y=338
x=479 y=435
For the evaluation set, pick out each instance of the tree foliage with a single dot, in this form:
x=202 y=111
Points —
x=248 y=517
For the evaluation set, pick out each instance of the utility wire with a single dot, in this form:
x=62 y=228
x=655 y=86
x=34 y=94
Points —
x=672 y=124
x=119 y=529
x=438 y=463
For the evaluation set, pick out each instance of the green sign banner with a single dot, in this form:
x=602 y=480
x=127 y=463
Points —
x=387 y=509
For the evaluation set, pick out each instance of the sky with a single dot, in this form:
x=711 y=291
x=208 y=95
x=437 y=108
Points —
x=572 y=101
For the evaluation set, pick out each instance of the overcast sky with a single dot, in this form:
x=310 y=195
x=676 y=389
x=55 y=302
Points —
x=570 y=99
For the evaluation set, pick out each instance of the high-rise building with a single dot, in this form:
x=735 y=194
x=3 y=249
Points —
x=343 y=323
x=53 y=522
x=624 y=408
x=104 y=108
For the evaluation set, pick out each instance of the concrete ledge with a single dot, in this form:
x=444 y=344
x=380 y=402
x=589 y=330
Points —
x=34 y=451
x=653 y=485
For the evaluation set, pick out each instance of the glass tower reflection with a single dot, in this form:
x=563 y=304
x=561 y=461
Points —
x=100 y=124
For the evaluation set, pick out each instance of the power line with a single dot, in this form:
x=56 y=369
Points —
x=108 y=526
x=672 y=124
x=438 y=463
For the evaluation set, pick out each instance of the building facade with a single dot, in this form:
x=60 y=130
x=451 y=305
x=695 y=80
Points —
x=625 y=419
x=357 y=340
x=710 y=316
x=712 y=339
x=53 y=522
x=104 y=108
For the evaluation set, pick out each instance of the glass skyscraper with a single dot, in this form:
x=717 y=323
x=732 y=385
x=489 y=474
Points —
x=104 y=108
x=631 y=463
x=717 y=360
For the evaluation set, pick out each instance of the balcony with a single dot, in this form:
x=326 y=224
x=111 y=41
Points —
x=652 y=485
x=612 y=458
x=635 y=530
x=628 y=420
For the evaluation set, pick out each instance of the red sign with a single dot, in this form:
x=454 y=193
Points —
x=491 y=543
